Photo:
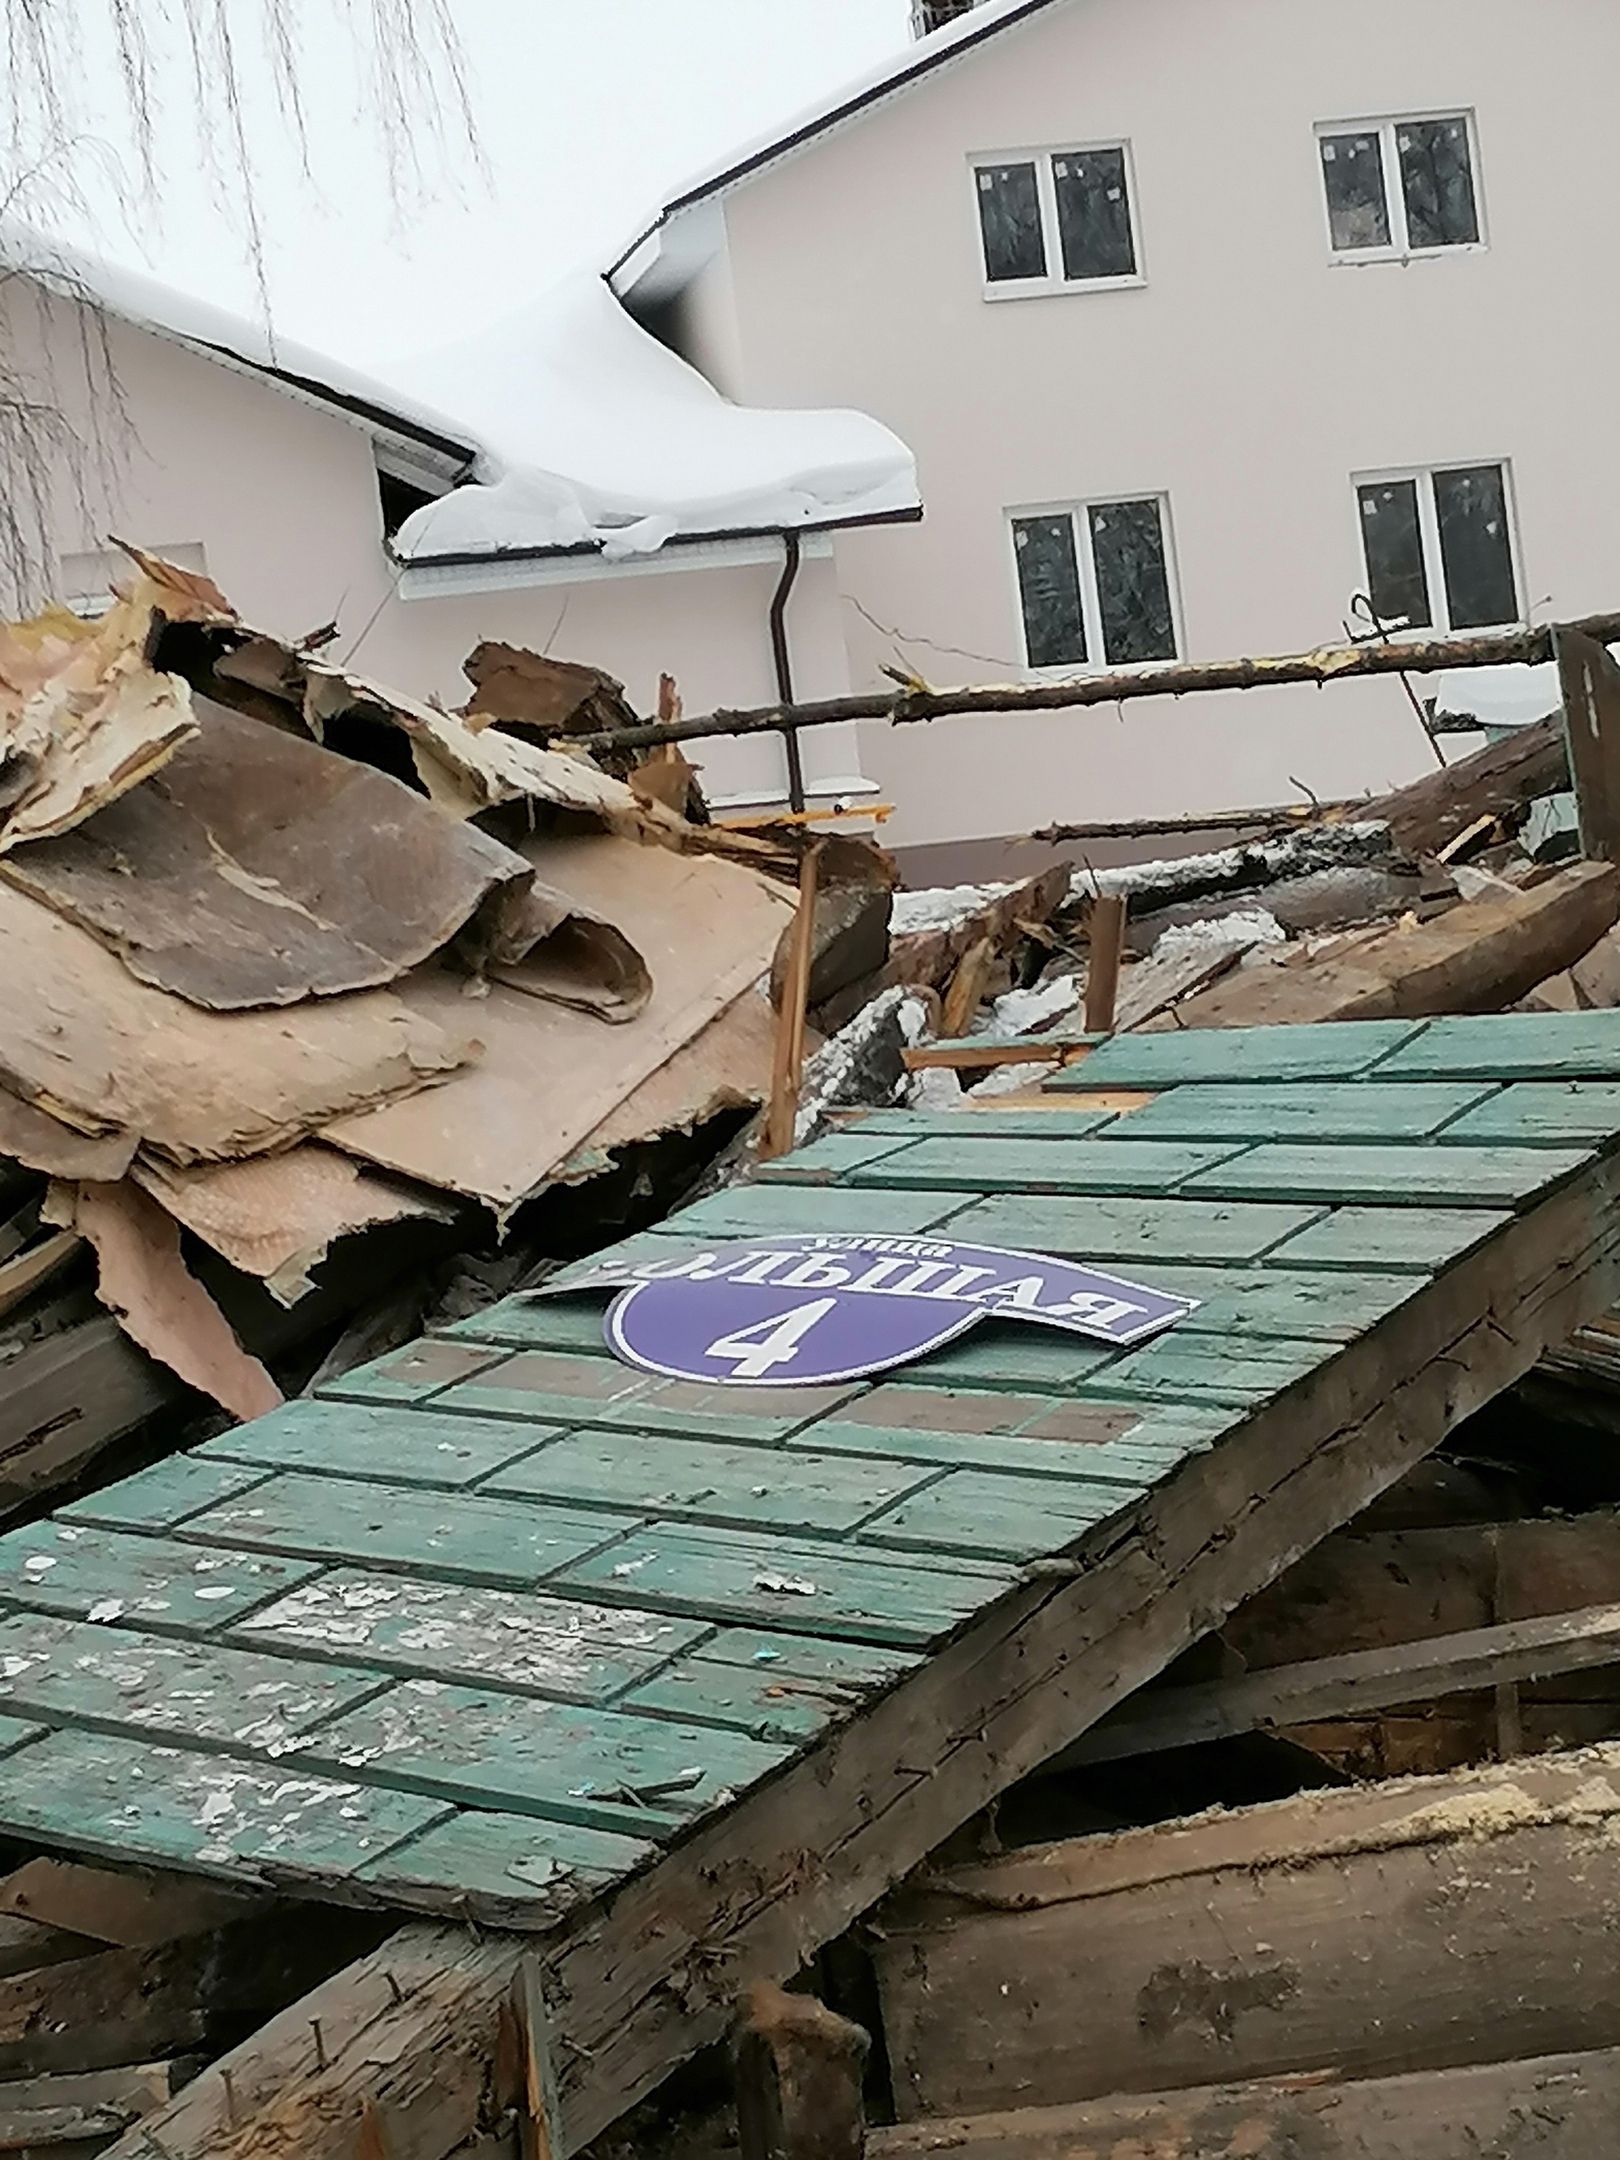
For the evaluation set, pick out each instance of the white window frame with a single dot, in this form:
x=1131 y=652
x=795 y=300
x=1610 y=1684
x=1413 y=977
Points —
x=1079 y=512
x=1434 y=567
x=1054 y=282
x=1399 y=248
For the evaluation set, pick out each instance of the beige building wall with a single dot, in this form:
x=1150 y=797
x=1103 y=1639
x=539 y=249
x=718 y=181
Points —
x=280 y=495
x=1248 y=377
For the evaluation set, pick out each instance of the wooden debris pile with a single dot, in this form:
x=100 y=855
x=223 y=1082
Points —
x=327 y=1012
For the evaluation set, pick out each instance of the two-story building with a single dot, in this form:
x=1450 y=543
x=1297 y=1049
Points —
x=1215 y=325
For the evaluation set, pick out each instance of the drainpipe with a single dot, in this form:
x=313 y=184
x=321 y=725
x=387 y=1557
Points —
x=784 y=665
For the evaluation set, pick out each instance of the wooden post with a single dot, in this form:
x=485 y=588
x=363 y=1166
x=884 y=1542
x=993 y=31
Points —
x=539 y=2123
x=1590 y=683
x=1107 y=951
x=799 y=2071
x=788 y=1068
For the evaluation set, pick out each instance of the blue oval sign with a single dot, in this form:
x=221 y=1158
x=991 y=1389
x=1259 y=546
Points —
x=806 y=1310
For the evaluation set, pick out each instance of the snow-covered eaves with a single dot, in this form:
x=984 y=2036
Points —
x=603 y=438
x=944 y=47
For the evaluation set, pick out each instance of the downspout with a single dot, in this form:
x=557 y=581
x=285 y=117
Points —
x=784 y=665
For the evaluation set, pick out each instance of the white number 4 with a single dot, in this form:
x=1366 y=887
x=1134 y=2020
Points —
x=755 y=1351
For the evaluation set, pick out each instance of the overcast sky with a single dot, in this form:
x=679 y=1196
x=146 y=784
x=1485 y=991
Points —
x=589 y=113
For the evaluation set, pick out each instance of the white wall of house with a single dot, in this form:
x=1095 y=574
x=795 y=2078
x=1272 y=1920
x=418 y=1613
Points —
x=1247 y=376
x=184 y=451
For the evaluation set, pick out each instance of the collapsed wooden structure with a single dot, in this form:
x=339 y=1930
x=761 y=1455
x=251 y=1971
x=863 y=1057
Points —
x=641 y=1691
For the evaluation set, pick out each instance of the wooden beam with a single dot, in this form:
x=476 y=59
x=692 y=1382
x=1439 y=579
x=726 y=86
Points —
x=53 y=2111
x=1590 y=683
x=788 y=1068
x=1373 y=1930
x=65 y=1398
x=1106 y=931
x=798 y=2070
x=1409 y=1672
x=634 y=1987
x=1559 y=2107
x=135 y=1911
x=1500 y=781
x=963 y=1055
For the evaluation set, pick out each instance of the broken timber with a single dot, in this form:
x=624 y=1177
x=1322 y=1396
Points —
x=811 y=1637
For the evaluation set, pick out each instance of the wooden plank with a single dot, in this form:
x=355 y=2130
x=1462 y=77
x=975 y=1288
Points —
x=746 y=1210
x=799 y=2077
x=655 y=1475
x=431 y=1449
x=1500 y=780
x=66 y=1398
x=556 y=1647
x=65 y=1568
x=1590 y=685
x=23 y=1273
x=972 y=1164
x=1179 y=1368
x=772 y=1581
x=1000 y=1353
x=1557 y=1113
x=1325 y=1111
x=1243 y=1056
x=828 y=1158
x=1417 y=1925
x=1329 y=1305
x=787 y=1066
x=511 y=1870
x=1016 y=1684
x=462 y=1536
x=1511 y=1046
x=1388 y=1238
x=1407 y=1672
x=1038 y=1122
x=1105 y=929
x=26 y=1945
x=600 y=1391
x=1410 y=1176
x=477 y=1748
x=36 y=2113
x=137 y=1912
x=164 y=1494
x=983 y=1053
x=985 y=1515
x=1120 y=1231
x=777 y=1687
x=409 y=1375
x=1560 y=2107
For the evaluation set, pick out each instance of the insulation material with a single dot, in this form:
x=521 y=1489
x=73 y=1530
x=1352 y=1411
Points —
x=260 y=869
x=89 y=1045
x=159 y=1303
x=707 y=929
x=277 y=1216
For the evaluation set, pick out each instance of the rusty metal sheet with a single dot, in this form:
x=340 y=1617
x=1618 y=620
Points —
x=258 y=869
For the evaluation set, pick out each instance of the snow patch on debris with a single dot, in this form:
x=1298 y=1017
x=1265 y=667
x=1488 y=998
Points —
x=861 y=1067
x=1021 y=1012
x=1013 y=1079
x=1319 y=847
x=595 y=434
x=1247 y=927
x=942 y=907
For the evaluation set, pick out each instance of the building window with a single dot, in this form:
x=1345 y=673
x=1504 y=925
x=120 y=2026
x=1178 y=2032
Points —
x=1401 y=187
x=1439 y=548
x=1053 y=221
x=1094 y=584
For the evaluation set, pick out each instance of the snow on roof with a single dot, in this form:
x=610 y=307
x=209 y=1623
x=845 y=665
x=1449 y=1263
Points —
x=922 y=57
x=605 y=436
x=578 y=427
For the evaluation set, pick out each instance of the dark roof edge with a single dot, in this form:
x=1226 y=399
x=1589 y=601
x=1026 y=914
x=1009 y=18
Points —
x=781 y=146
x=587 y=550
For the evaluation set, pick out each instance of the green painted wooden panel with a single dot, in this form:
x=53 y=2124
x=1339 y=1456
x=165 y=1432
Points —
x=459 y=1536
x=750 y=1486
x=1117 y=1232
x=1236 y=1375
x=79 y=1569
x=1326 y=1306
x=760 y=1414
x=17 y=1732
x=1533 y=1113
x=771 y=1704
x=391 y=1446
x=1342 y=1051
x=769 y=1581
x=1421 y=1239
x=1006 y=1518
x=750 y=1210
x=1039 y=1166
x=602 y=1768
x=808 y=1657
x=1390 y=1176
x=569 y=1324
x=1002 y=1353
x=133 y=1803
x=508 y=1870
x=1155 y=1442
x=1511 y=1046
x=114 y=1680
x=158 y=1498
x=833 y=1156
x=554 y=1388
x=555 y=1647
x=409 y=1375
x=1313 y=1110
x=1057 y=1123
